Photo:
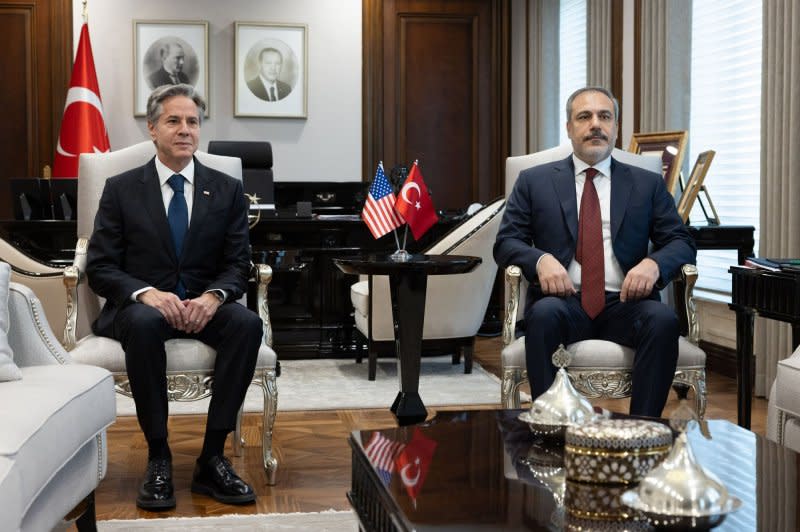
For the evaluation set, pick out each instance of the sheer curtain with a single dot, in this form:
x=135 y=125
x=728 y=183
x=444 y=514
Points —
x=780 y=166
x=545 y=120
x=598 y=43
x=665 y=70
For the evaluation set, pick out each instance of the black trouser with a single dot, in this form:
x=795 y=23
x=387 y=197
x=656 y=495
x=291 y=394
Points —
x=234 y=332
x=648 y=326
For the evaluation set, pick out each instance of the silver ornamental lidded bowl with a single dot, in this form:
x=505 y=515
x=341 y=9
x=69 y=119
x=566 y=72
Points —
x=680 y=494
x=561 y=406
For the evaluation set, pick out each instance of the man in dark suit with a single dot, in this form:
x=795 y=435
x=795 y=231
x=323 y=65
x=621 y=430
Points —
x=170 y=253
x=266 y=85
x=171 y=71
x=591 y=269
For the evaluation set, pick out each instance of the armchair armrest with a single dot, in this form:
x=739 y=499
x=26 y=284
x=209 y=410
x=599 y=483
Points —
x=683 y=287
x=30 y=335
x=263 y=276
x=73 y=276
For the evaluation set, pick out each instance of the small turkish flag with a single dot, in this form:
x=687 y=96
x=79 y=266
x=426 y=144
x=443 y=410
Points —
x=414 y=462
x=414 y=203
x=83 y=129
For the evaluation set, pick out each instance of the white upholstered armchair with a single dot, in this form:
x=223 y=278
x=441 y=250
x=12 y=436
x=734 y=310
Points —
x=454 y=304
x=783 y=411
x=190 y=363
x=598 y=368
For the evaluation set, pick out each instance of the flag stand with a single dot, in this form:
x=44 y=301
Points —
x=401 y=255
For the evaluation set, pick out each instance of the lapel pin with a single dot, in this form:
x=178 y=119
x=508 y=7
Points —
x=206 y=192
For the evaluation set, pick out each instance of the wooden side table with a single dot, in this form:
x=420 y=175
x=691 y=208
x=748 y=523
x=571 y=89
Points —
x=408 y=282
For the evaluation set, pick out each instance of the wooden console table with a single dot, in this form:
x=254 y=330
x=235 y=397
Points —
x=773 y=295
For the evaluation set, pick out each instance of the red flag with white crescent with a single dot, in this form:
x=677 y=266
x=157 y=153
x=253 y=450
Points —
x=414 y=461
x=83 y=129
x=414 y=203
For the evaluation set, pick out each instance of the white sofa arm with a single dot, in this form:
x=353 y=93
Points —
x=30 y=335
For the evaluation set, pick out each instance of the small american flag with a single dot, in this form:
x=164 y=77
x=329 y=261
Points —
x=382 y=453
x=379 y=213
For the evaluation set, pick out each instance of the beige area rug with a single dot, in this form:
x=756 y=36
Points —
x=331 y=384
x=330 y=521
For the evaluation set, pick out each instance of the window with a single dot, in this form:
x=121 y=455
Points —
x=571 y=54
x=726 y=117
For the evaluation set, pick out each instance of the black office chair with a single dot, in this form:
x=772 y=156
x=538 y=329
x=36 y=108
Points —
x=256 y=159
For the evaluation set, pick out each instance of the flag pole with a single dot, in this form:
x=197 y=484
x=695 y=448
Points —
x=405 y=233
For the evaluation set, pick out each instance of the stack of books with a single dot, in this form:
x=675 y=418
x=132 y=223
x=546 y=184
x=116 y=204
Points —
x=774 y=265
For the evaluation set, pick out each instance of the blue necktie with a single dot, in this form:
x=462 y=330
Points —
x=178 y=218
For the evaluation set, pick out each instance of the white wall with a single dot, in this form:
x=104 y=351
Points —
x=325 y=146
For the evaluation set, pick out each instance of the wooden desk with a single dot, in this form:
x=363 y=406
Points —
x=773 y=295
x=408 y=281
x=738 y=237
x=309 y=297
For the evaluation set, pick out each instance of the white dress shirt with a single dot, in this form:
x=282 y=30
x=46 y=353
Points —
x=602 y=183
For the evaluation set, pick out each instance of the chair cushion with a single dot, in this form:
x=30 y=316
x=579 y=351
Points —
x=8 y=370
x=787 y=384
x=359 y=296
x=56 y=410
x=603 y=354
x=183 y=354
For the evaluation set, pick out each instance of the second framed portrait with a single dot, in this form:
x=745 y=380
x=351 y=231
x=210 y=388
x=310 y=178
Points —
x=271 y=75
x=168 y=52
x=670 y=146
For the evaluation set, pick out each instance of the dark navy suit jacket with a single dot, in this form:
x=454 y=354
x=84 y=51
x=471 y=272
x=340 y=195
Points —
x=131 y=245
x=542 y=217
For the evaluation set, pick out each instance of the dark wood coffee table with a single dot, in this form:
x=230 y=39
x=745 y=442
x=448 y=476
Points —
x=471 y=473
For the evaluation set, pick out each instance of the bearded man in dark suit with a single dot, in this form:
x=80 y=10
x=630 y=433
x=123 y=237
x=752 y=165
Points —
x=597 y=276
x=170 y=253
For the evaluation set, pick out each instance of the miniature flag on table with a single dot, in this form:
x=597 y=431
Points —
x=378 y=210
x=382 y=452
x=414 y=204
x=83 y=129
x=414 y=461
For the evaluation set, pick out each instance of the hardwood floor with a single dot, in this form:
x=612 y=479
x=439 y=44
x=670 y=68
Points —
x=312 y=449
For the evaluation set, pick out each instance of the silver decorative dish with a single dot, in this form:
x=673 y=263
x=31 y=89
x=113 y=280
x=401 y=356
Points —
x=701 y=520
x=680 y=494
x=560 y=407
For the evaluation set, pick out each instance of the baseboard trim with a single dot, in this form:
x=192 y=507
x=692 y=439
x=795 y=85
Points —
x=719 y=359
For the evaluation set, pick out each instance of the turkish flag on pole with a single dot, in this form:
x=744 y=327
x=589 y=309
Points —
x=414 y=203
x=83 y=129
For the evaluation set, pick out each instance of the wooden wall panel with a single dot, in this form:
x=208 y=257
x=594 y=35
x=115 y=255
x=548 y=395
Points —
x=35 y=67
x=436 y=87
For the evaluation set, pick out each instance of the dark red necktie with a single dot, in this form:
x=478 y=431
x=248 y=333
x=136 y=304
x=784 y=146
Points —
x=590 y=249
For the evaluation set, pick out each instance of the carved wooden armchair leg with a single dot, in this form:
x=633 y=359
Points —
x=468 y=350
x=268 y=382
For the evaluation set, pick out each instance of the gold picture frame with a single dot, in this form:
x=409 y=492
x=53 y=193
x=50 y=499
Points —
x=695 y=183
x=670 y=146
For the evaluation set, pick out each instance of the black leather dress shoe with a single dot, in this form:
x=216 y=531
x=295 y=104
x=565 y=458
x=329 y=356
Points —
x=156 y=491
x=217 y=479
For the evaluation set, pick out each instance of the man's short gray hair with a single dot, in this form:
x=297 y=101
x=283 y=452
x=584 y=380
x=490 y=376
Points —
x=156 y=100
x=601 y=90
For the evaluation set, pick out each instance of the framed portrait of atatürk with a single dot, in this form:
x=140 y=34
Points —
x=670 y=146
x=271 y=74
x=168 y=52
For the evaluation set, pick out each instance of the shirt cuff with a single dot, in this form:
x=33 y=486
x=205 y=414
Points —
x=135 y=295
x=221 y=294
